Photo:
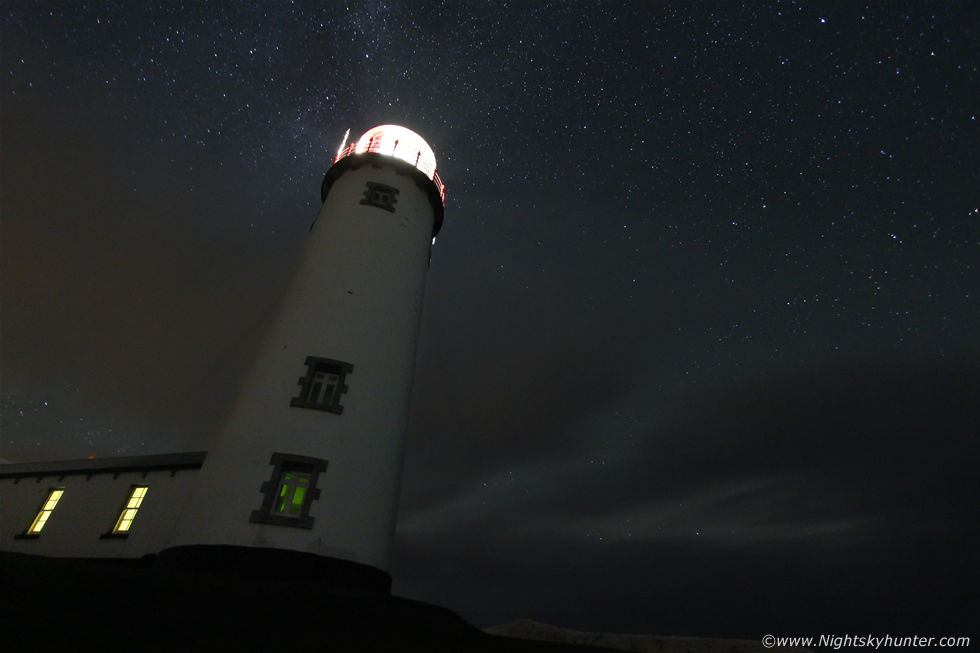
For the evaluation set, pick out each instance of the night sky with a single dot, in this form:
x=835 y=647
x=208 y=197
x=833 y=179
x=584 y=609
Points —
x=701 y=344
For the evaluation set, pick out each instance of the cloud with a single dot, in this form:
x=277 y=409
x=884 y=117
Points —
x=854 y=471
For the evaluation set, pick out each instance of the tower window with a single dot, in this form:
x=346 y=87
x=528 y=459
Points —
x=322 y=385
x=293 y=487
x=290 y=491
x=380 y=195
x=54 y=494
x=128 y=513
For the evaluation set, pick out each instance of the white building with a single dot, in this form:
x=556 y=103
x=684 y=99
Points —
x=75 y=508
x=304 y=475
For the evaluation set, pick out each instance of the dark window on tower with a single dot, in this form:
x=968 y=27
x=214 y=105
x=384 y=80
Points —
x=322 y=385
x=380 y=195
x=290 y=491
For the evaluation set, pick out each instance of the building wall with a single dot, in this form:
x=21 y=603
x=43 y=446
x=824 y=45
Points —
x=95 y=492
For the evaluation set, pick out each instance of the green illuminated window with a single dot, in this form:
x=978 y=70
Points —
x=54 y=494
x=290 y=492
x=125 y=521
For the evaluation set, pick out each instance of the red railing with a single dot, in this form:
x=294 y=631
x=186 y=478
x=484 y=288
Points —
x=428 y=170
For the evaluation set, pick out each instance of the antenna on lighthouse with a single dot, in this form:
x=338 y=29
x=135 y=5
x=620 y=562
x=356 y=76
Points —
x=344 y=144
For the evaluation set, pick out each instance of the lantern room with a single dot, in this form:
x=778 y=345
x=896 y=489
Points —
x=400 y=143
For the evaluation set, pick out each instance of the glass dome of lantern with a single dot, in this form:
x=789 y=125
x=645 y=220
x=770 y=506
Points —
x=400 y=143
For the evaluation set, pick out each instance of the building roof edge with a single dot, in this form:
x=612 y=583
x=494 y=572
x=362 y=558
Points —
x=185 y=460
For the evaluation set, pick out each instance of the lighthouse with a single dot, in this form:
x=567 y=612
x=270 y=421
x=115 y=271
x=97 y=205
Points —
x=304 y=476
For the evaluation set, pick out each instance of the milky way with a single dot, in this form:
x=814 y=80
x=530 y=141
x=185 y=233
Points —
x=701 y=338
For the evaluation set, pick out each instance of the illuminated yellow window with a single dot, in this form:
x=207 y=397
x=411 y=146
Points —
x=129 y=510
x=42 y=516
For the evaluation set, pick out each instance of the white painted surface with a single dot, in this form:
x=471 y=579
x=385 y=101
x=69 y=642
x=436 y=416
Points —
x=356 y=297
x=89 y=509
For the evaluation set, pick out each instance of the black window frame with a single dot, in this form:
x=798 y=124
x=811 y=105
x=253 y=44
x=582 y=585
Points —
x=315 y=364
x=382 y=196
x=283 y=463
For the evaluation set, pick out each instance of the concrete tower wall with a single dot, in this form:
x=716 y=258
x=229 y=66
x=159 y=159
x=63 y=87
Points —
x=356 y=298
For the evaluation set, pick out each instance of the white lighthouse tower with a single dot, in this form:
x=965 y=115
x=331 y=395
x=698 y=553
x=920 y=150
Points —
x=304 y=477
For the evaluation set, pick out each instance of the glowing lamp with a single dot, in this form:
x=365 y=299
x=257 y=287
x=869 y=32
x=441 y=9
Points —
x=401 y=143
